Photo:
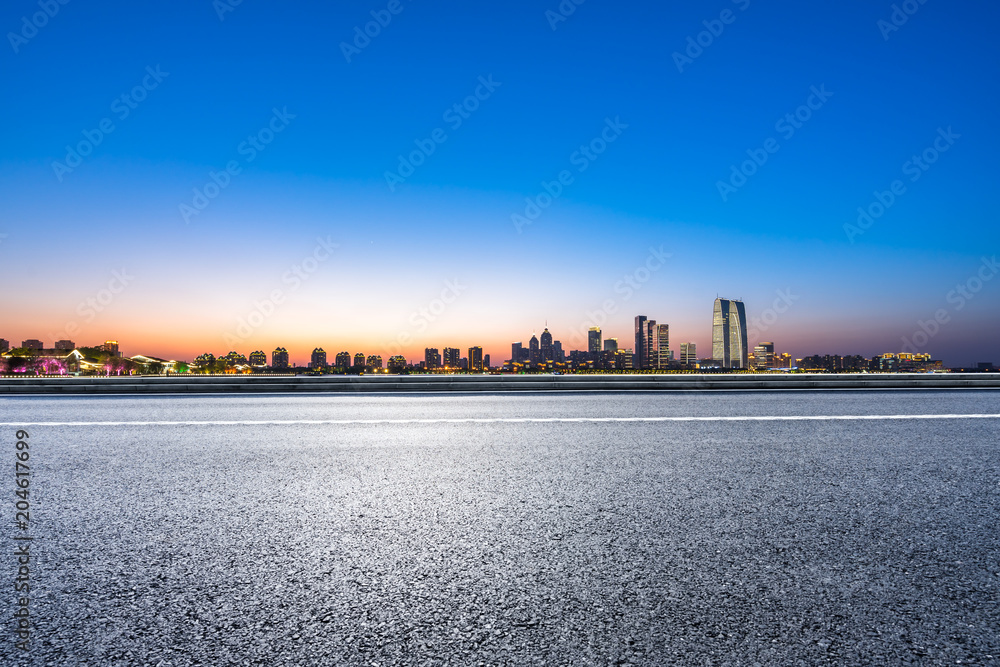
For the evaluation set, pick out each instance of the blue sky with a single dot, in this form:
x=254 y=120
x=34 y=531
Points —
x=886 y=95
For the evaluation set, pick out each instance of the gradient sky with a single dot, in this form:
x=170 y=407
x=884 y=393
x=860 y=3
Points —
x=448 y=229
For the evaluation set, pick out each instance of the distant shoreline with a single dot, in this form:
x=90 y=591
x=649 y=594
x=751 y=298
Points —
x=348 y=384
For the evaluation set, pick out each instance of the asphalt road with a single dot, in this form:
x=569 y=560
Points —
x=591 y=542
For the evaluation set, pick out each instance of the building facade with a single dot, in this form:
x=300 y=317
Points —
x=664 y=356
x=689 y=354
x=432 y=358
x=545 y=347
x=318 y=359
x=641 y=349
x=279 y=358
x=729 y=334
x=452 y=357
x=258 y=358
x=476 y=359
x=594 y=342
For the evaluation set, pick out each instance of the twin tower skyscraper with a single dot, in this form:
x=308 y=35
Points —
x=729 y=334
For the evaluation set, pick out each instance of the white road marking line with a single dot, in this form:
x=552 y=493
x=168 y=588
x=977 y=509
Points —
x=512 y=420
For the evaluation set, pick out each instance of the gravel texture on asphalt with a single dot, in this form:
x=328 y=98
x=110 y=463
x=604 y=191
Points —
x=742 y=543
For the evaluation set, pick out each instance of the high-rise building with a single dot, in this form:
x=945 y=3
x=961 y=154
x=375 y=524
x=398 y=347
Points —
x=729 y=334
x=397 y=364
x=516 y=349
x=33 y=344
x=476 y=359
x=663 y=354
x=4 y=346
x=318 y=359
x=689 y=354
x=343 y=361
x=653 y=343
x=610 y=344
x=258 y=358
x=486 y=361
x=557 y=351
x=641 y=352
x=359 y=360
x=545 y=347
x=432 y=358
x=279 y=358
x=534 y=355
x=65 y=345
x=594 y=342
x=374 y=362
x=452 y=357
x=763 y=356
x=111 y=347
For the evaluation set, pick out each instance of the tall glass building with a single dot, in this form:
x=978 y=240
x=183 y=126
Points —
x=729 y=334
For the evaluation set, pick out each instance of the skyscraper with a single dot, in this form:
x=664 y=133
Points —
x=594 y=343
x=546 y=347
x=4 y=346
x=689 y=354
x=343 y=361
x=652 y=345
x=663 y=354
x=533 y=352
x=452 y=357
x=432 y=358
x=641 y=350
x=279 y=358
x=729 y=334
x=258 y=358
x=515 y=352
x=476 y=359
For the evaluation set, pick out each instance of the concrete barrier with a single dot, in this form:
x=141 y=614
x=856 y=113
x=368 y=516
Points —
x=493 y=383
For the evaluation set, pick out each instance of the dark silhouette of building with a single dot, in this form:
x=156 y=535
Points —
x=318 y=359
x=279 y=358
x=545 y=347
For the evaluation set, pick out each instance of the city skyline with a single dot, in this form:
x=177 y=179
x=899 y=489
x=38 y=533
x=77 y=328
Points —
x=380 y=192
x=731 y=347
